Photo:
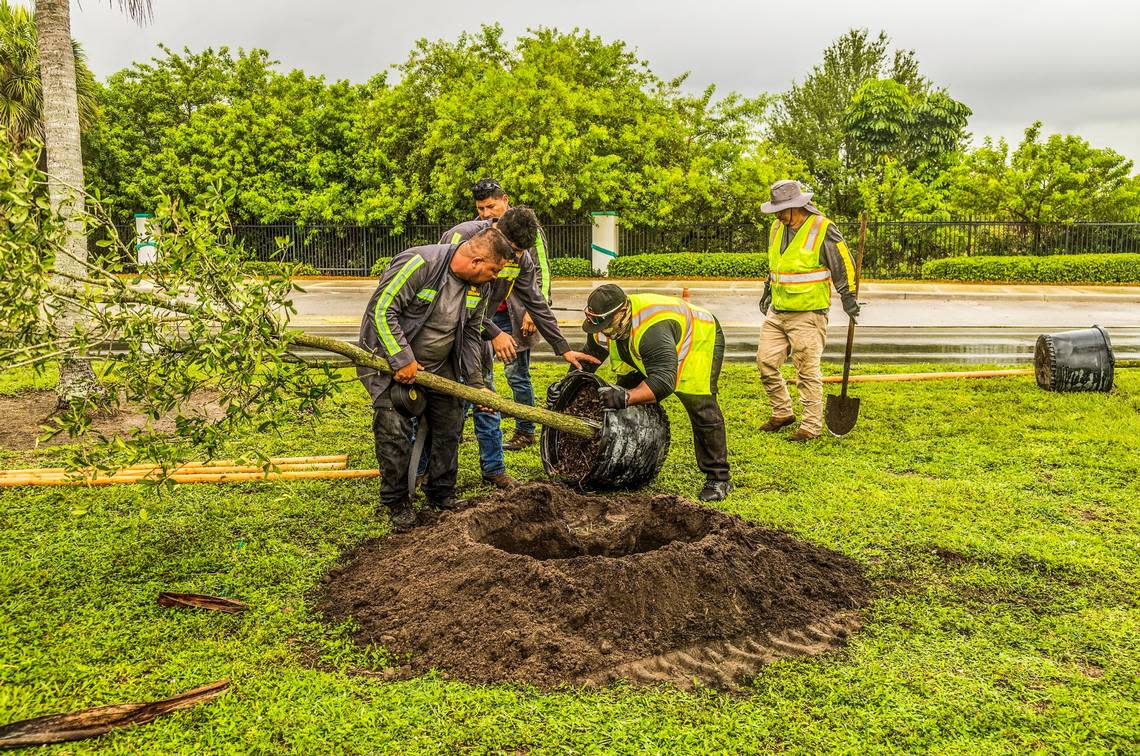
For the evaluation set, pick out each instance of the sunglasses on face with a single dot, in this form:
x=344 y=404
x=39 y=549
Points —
x=596 y=319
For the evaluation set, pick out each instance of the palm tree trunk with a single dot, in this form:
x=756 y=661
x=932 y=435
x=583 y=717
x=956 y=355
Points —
x=65 y=172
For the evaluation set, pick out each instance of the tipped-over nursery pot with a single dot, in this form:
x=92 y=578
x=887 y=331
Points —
x=1075 y=360
x=631 y=446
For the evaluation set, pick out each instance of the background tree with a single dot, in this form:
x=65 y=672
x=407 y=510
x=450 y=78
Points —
x=187 y=121
x=810 y=118
x=21 y=95
x=568 y=122
x=923 y=131
x=1058 y=178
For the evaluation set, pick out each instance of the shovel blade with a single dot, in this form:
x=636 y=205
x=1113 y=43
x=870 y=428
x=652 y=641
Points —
x=841 y=414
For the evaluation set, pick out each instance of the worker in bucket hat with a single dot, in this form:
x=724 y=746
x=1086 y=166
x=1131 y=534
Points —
x=806 y=258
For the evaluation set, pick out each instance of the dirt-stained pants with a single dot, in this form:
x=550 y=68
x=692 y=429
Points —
x=803 y=334
x=710 y=440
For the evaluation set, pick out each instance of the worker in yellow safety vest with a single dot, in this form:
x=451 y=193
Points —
x=660 y=346
x=806 y=258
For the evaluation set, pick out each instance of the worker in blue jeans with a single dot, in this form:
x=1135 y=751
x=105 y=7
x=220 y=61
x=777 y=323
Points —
x=518 y=377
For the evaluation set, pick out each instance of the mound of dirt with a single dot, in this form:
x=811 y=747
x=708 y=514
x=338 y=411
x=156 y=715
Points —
x=544 y=586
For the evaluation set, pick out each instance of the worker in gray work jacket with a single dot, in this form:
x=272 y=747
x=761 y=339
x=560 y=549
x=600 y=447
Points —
x=427 y=314
x=518 y=283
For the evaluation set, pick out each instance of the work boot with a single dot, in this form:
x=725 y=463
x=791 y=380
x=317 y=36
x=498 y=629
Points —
x=802 y=435
x=503 y=481
x=451 y=504
x=403 y=517
x=519 y=441
x=775 y=423
x=715 y=490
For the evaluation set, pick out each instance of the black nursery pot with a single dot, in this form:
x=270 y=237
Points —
x=631 y=446
x=1074 y=360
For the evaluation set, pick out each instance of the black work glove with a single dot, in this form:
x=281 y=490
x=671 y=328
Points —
x=851 y=307
x=613 y=397
x=766 y=299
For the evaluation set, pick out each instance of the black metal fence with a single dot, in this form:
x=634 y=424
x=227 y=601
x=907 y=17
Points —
x=894 y=248
x=899 y=248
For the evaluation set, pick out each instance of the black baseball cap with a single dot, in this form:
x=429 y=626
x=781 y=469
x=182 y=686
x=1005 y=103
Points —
x=602 y=307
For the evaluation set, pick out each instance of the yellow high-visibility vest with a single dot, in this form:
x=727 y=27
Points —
x=694 y=348
x=799 y=280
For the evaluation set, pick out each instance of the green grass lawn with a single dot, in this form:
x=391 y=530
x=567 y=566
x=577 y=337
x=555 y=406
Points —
x=999 y=525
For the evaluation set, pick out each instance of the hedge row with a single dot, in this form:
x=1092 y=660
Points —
x=572 y=267
x=691 y=265
x=1103 y=268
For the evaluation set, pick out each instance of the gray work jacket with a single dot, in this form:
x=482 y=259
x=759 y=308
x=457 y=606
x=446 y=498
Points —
x=403 y=301
x=521 y=286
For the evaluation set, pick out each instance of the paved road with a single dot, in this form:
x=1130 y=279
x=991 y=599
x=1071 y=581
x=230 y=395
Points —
x=901 y=321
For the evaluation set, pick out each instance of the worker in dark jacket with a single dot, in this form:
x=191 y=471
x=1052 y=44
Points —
x=517 y=281
x=660 y=346
x=427 y=314
x=513 y=317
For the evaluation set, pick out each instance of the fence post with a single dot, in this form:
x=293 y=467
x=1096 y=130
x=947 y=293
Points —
x=970 y=237
x=604 y=240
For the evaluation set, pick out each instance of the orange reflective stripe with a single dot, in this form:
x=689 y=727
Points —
x=813 y=231
x=685 y=347
x=814 y=276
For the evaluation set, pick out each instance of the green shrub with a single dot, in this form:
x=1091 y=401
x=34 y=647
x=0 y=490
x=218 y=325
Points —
x=379 y=266
x=1104 y=268
x=571 y=267
x=691 y=265
x=279 y=268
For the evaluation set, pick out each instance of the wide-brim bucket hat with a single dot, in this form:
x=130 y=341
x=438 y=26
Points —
x=786 y=194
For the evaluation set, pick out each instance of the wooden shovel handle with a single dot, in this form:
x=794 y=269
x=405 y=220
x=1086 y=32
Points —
x=851 y=322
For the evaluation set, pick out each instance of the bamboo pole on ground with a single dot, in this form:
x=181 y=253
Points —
x=194 y=478
x=894 y=377
x=219 y=465
x=157 y=473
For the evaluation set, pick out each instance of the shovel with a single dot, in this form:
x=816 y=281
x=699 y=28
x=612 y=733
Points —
x=842 y=411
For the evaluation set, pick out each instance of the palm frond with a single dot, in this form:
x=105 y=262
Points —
x=140 y=11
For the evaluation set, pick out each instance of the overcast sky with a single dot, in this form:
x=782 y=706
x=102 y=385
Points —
x=1074 y=66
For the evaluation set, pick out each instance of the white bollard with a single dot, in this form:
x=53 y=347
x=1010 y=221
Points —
x=604 y=240
x=146 y=251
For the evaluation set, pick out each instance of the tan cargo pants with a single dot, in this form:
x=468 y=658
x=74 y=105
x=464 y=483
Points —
x=803 y=334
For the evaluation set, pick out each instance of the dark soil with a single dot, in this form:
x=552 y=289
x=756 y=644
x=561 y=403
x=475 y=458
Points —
x=576 y=454
x=544 y=586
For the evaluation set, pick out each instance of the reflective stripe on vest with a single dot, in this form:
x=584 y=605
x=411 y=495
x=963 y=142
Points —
x=543 y=266
x=799 y=280
x=380 y=314
x=694 y=349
